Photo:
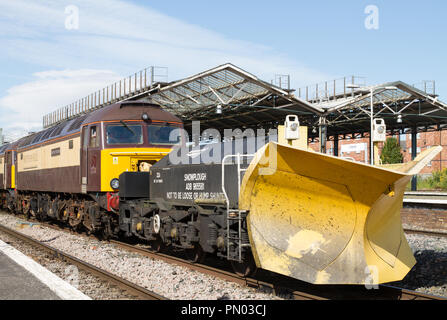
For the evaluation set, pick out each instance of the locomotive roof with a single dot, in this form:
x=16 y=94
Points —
x=133 y=111
x=3 y=148
x=8 y=146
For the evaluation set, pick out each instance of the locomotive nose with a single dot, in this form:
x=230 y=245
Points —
x=323 y=219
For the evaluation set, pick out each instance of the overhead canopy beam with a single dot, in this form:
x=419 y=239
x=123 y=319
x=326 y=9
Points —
x=250 y=102
x=244 y=98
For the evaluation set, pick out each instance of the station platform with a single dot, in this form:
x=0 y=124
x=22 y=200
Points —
x=21 y=278
x=425 y=197
x=18 y=284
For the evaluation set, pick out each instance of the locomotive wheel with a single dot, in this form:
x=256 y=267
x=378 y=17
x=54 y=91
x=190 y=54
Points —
x=74 y=223
x=106 y=232
x=156 y=245
x=26 y=212
x=196 y=254
x=246 y=268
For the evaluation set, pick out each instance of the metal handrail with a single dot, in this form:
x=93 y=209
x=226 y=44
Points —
x=126 y=88
x=238 y=156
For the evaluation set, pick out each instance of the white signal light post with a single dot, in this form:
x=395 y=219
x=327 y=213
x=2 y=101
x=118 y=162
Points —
x=371 y=91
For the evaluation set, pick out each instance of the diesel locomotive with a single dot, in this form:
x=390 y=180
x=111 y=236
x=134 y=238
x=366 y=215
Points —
x=121 y=172
x=70 y=172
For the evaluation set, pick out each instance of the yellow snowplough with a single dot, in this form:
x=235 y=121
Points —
x=326 y=220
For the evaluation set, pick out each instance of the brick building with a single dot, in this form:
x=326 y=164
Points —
x=358 y=148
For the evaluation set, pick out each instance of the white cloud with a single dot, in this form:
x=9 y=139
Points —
x=119 y=36
x=130 y=37
x=25 y=104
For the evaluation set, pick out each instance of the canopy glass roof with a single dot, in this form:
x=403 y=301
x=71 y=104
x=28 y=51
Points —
x=244 y=100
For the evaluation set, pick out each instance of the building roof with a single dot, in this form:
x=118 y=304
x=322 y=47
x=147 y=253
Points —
x=230 y=97
x=244 y=99
x=393 y=101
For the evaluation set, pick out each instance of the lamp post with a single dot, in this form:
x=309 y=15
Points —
x=371 y=92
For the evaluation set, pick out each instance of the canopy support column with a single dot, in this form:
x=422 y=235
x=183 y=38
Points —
x=414 y=145
x=336 y=145
x=323 y=134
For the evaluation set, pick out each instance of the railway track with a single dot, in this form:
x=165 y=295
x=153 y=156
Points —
x=222 y=274
x=206 y=269
x=425 y=232
x=280 y=285
x=426 y=200
x=132 y=288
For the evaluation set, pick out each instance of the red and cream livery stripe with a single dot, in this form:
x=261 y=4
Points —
x=51 y=166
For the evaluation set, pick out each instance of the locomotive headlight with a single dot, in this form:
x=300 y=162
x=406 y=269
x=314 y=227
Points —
x=294 y=126
x=145 y=116
x=115 y=183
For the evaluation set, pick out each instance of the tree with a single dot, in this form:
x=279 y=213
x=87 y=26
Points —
x=391 y=152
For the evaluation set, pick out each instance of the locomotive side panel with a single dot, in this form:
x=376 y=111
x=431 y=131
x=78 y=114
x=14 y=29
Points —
x=2 y=172
x=9 y=170
x=52 y=167
x=190 y=184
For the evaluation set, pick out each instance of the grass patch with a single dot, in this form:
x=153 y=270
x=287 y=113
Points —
x=437 y=181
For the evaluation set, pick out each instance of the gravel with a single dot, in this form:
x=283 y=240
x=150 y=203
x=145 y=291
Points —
x=170 y=281
x=429 y=275
x=90 y=285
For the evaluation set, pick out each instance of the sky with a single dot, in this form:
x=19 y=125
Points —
x=49 y=59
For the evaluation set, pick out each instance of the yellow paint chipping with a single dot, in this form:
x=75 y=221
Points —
x=322 y=277
x=304 y=242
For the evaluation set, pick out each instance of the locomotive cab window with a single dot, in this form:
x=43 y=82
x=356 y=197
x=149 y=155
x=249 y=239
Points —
x=124 y=134
x=163 y=135
x=94 y=142
x=85 y=139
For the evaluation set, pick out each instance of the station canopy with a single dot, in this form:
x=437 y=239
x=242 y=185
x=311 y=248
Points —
x=402 y=106
x=229 y=97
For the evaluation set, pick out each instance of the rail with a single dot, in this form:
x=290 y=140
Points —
x=279 y=284
x=122 y=283
x=429 y=198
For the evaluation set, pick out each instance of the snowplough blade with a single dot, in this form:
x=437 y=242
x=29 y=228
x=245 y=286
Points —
x=413 y=167
x=325 y=220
